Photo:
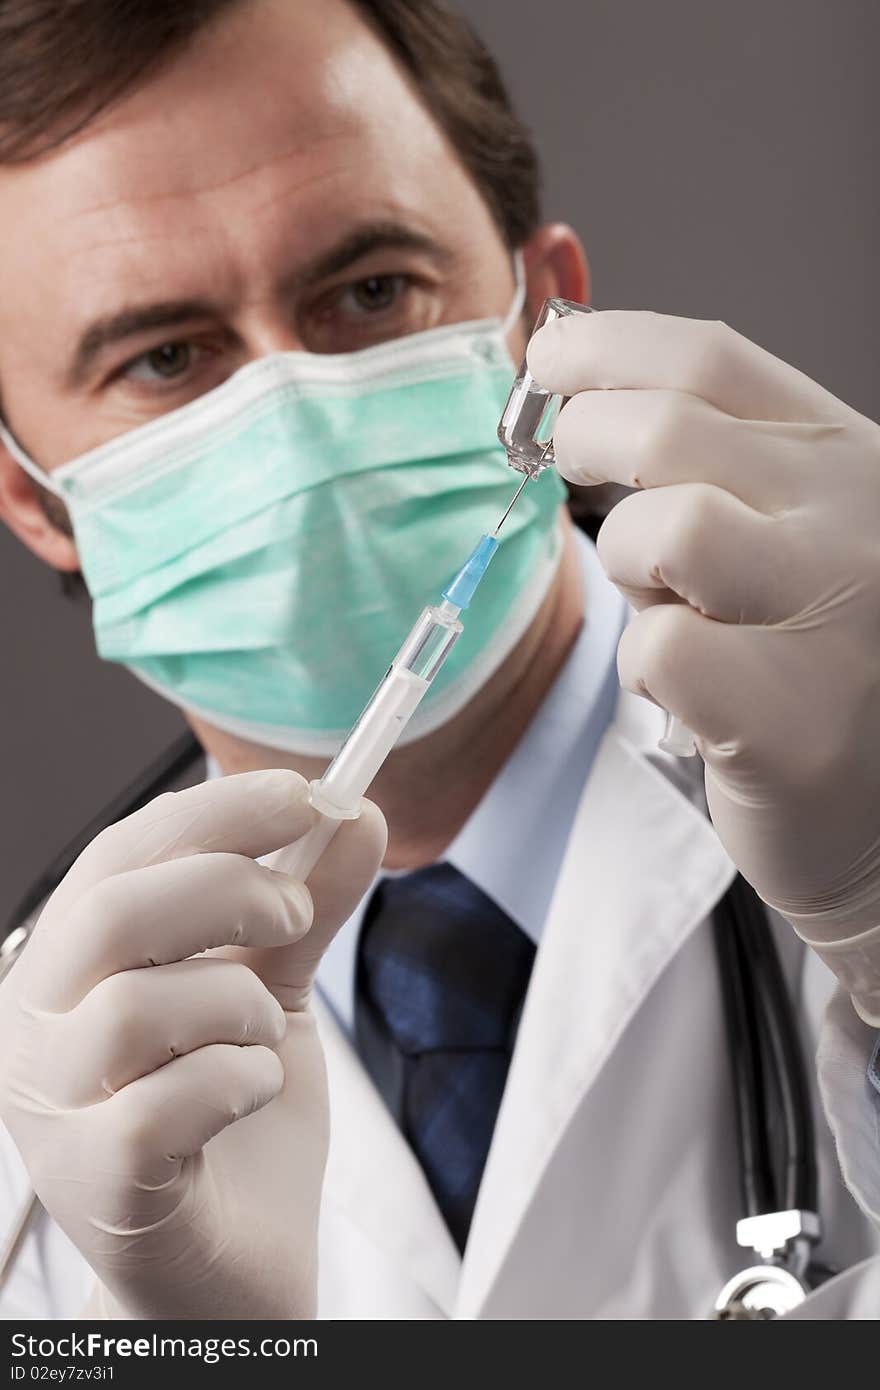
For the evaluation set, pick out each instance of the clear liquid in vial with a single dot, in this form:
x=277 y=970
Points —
x=526 y=426
x=527 y=422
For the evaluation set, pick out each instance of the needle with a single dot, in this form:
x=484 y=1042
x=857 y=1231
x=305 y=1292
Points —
x=515 y=498
x=513 y=501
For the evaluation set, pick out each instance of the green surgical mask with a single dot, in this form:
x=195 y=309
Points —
x=258 y=555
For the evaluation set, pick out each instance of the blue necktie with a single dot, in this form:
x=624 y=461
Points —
x=441 y=976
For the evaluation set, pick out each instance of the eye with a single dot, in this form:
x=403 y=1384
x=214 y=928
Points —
x=373 y=309
x=163 y=363
x=375 y=293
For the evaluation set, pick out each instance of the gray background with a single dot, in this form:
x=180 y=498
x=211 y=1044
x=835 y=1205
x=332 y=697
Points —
x=719 y=159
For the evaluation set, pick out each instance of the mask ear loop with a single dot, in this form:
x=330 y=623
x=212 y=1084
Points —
x=518 y=302
x=32 y=469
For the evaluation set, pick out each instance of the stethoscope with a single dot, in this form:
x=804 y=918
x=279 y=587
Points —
x=775 y=1133
x=777 y=1162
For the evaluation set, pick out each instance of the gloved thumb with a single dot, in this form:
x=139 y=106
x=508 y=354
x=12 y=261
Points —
x=337 y=883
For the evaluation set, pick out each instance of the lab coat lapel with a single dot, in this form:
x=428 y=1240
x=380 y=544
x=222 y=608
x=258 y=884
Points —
x=642 y=869
x=374 y=1177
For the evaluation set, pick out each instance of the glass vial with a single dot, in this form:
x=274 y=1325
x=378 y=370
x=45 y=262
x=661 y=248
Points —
x=528 y=418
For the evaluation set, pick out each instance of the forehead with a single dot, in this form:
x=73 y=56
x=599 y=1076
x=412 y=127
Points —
x=272 y=127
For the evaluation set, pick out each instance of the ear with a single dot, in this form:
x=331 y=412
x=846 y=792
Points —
x=556 y=267
x=24 y=512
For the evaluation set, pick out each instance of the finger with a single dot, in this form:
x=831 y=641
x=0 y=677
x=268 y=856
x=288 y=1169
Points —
x=249 y=814
x=342 y=876
x=645 y=439
x=719 y=679
x=663 y=655
x=620 y=348
x=704 y=546
x=139 y=1020
x=163 y=913
x=151 y=1126
x=723 y=681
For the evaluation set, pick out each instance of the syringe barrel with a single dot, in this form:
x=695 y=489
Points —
x=429 y=642
x=387 y=713
x=529 y=417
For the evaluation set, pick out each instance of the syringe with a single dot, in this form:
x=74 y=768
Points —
x=337 y=795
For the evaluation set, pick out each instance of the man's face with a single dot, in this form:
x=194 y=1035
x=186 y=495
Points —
x=278 y=187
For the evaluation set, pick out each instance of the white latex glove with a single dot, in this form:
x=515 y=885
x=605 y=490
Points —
x=128 y=1066
x=752 y=549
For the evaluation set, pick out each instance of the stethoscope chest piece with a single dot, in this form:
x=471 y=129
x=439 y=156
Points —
x=784 y=1239
x=762 y=1292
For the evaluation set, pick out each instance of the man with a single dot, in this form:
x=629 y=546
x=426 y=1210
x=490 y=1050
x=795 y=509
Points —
x=185 y=197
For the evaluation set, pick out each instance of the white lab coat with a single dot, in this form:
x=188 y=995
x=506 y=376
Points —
x=610 y=1189
x=611 y=1186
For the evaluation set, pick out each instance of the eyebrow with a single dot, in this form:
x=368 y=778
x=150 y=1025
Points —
x=133 y=320
x=373 y=236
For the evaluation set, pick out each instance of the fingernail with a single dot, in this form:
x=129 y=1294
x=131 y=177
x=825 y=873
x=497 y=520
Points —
x=279 y=787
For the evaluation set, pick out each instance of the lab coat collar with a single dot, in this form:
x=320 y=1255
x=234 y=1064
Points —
x=642 y=869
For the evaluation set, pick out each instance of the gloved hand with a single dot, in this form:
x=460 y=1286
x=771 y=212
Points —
x=171 y=1113
x=752 y=550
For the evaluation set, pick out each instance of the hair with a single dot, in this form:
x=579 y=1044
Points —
x=62 y=65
